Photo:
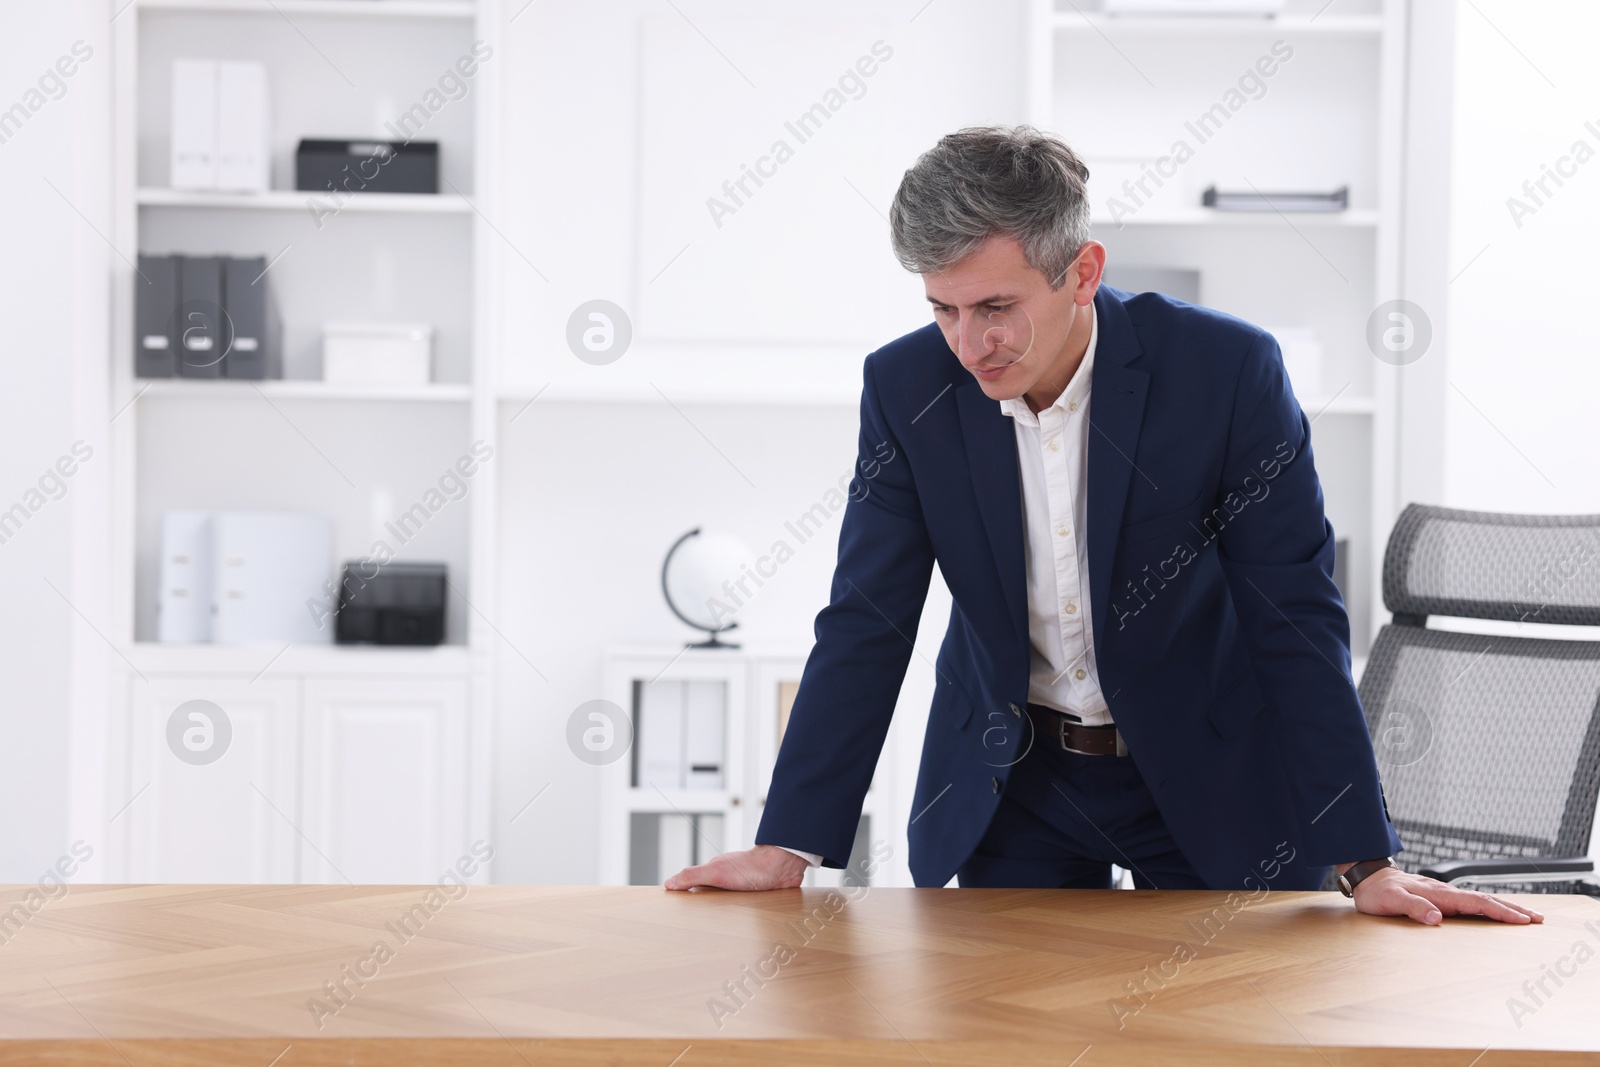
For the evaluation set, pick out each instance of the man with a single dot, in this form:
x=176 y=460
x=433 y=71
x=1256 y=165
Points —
x=1147 y=662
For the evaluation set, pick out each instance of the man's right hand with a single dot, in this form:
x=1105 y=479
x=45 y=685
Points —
x=762 y=867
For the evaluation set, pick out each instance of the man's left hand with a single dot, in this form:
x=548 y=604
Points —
x=1427 y=900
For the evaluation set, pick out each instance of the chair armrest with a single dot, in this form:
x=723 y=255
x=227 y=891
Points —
x=1508 y=865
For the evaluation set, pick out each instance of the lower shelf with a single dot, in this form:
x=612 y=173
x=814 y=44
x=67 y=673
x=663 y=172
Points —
x=148 y=657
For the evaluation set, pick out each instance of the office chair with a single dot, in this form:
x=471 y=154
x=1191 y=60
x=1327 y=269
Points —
x=1489 y=746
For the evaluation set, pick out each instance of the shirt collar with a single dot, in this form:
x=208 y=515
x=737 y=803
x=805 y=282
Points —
x=1077 y=389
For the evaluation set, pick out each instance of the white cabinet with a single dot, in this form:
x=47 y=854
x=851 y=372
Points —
x=385 y=779
x=308 y=778
x=227 y=820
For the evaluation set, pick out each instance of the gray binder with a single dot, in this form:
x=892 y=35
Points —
x=155 y=300
x=256 y=351
x=202 y=328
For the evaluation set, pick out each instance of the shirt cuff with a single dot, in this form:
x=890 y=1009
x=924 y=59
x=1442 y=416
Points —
x=810 y=857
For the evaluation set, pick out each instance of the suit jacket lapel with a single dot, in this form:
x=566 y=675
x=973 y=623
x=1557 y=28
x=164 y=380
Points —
x=991 y=444
x=1116 y=412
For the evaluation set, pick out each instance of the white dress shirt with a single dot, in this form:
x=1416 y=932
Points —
x=1052 y=458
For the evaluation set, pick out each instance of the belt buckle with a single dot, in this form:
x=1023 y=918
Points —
x=1121 y=749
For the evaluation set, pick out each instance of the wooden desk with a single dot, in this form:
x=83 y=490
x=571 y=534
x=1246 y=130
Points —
x=517 y=975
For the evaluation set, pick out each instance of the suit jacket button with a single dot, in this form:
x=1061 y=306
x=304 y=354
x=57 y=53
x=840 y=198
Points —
x=996 y=784
x=1016 y=711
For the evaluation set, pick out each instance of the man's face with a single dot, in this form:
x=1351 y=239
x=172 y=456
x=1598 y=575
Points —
x=1004 y=323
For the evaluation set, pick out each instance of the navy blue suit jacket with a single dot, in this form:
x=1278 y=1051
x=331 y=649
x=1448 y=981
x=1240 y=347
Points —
x=1221 y=639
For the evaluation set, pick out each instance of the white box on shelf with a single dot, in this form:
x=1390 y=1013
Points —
x=194 y=124
x=377 y=353
x=243 y=140
x=271 y=570
x=183 y=607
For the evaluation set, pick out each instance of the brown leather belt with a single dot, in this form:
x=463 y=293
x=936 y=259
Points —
x=1058 y=728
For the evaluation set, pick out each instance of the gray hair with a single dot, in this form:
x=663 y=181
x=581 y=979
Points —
x=985 y=181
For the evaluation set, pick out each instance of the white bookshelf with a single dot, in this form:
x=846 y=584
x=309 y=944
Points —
x=308 y=713
x=756 y=683
x=1124 y=88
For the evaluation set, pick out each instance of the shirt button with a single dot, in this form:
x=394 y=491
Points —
x=1063 y=530
x=1072 y=609
x=1080 y=674
x=1072 y=405
x=1054 y=445
x=996 y=782
x=1016 y=711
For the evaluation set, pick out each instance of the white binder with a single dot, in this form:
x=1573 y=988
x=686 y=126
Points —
x=269 y=570
x=243 y=140
x=183 y=605
x=194 y=124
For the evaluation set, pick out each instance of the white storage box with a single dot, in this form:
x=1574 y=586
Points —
x=377 y=353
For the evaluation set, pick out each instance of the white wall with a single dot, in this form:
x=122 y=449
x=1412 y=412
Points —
x=53 y=302
x=592 y=494
x=1520 y=429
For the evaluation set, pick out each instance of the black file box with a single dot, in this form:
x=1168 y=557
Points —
x=339 y=168
x=391 y=604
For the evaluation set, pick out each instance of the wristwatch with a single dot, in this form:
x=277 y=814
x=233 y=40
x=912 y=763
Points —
x=1356 y=872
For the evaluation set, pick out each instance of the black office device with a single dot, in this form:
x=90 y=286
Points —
x=256 y=349
x=339 y=168
x=155 y=298
x=201 y=329
x=391 y=604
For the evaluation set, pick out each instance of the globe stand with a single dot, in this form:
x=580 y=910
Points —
x=712 y=642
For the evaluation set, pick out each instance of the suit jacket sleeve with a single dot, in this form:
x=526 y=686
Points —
x=1277 y=556
x=864 y=638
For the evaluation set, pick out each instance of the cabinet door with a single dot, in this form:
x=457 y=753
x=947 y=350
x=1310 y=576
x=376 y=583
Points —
x=384 y=795
x=214 y=791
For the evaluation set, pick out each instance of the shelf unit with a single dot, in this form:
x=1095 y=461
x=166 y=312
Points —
x=1121 y=89
x=310 y=717
x=757 y=685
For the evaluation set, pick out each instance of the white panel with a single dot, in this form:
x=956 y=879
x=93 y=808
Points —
x=661 y=735
x=385 y=780
x=227 y=821
x=705 y=730
x=703 y=125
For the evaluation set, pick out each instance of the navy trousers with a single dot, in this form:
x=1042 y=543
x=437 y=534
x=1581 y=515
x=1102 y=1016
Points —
x=1064 y=819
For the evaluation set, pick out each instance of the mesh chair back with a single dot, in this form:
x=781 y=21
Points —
x=1482 y=565
x=1488 y=745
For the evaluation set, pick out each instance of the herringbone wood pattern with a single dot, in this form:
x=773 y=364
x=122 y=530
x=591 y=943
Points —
x=513 y=975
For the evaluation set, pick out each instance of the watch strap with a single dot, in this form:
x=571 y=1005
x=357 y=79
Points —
x=1358 y=872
